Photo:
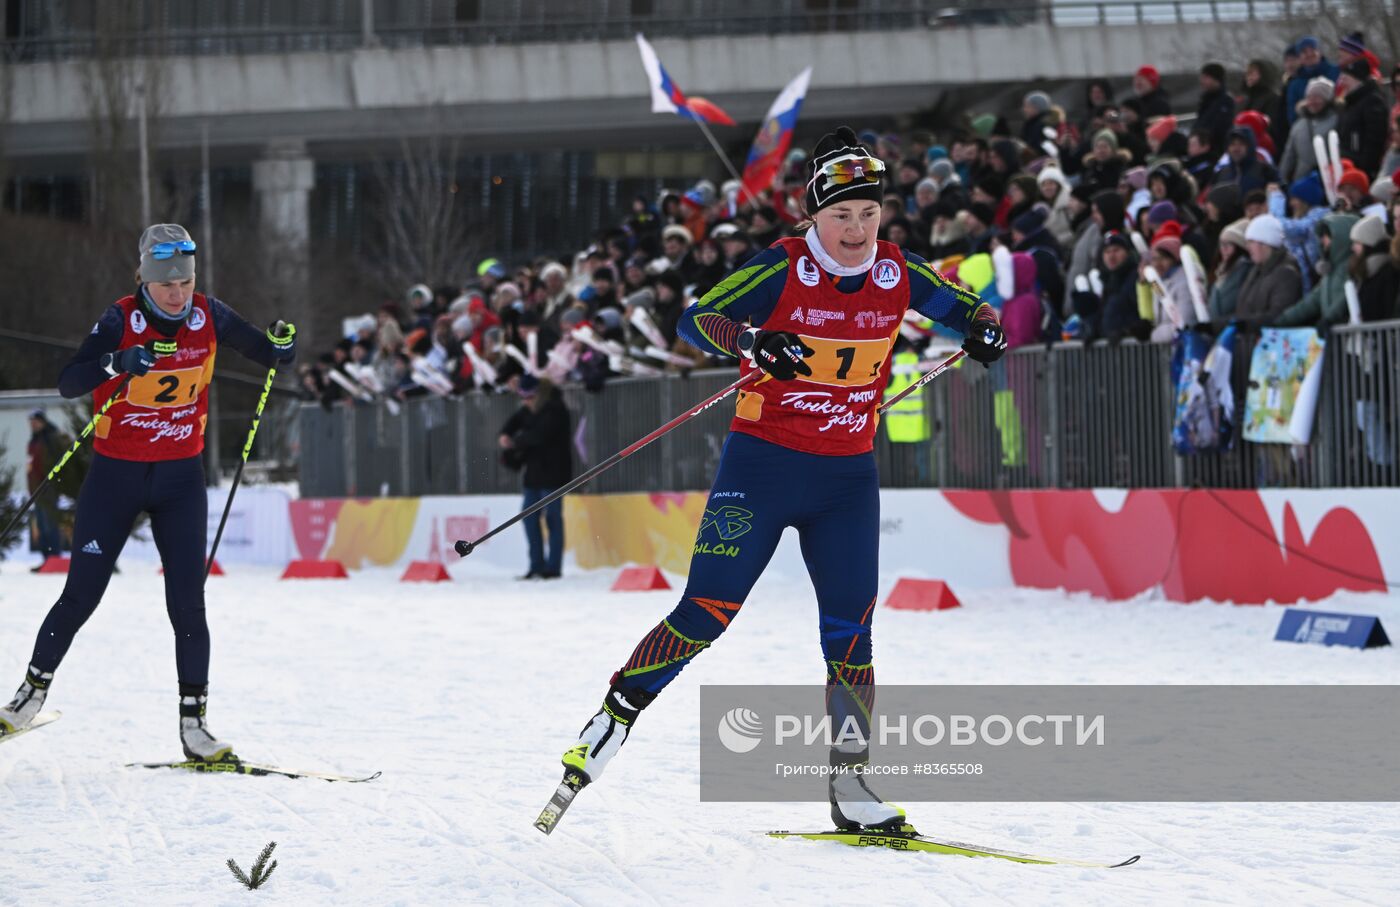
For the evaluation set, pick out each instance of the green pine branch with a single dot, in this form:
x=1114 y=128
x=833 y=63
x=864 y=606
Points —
x=261 y=869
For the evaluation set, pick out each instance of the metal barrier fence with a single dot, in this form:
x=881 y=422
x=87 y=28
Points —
x=1066 y=417
x=41 y=31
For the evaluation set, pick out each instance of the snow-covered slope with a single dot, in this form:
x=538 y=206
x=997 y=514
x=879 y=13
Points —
x=465 y=694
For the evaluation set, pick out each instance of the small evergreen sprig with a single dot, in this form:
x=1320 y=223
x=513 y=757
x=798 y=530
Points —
x=261 y=869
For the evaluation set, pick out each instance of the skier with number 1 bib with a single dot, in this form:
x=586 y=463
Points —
x=818 y=314
x=147 y=456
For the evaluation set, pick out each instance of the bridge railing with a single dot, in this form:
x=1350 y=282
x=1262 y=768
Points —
x=40 y=32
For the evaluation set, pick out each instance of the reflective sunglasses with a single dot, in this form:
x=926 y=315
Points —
x=850 y=169
x=163 y=250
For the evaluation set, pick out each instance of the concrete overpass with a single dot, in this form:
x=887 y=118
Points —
x=582 y=94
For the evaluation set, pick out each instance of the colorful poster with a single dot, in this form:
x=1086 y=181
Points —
x=1205 y=402
x=1284 y=377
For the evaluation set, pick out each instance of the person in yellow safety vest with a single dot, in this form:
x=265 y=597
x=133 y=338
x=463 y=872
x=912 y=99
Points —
x=906 y=423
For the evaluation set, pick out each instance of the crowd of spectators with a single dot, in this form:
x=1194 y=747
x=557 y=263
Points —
x=1108 y=218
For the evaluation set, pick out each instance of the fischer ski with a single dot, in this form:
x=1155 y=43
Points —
x=569 y=787
x=39 y=721
x=239 y=767
x=912 y=841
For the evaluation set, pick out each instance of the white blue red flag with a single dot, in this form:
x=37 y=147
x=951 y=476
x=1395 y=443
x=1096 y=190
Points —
x=775 y=135
x=666 y=96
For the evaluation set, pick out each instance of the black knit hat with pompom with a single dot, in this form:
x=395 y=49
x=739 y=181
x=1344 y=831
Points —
x=835 y=145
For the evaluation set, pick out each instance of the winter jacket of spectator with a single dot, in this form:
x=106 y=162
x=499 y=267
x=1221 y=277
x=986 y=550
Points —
x=1020 y=315
x=1083 y=258
x=1097 y=176
x=555 y=305
x=1178 y=287
x=1041 y=246
x=1134 y=140
x=1216 y=112
x=1269 y=288
x=1033 y=130
x=1264 y=96
x=1120 y=318
x=1300 y=235
x=1225 y=294
x=1201 y=168
x=1250 y=174
x=544 y=443
x=1298 y=157
x=1298 y=85
x=1155 y=104
x=1380 y=292
x=1326 y=304
x=45 y=447
x=1059 y=221
x=951 y=240
x=1363 y=127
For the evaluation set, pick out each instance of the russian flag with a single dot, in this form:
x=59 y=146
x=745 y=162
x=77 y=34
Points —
x=775 y=135
x=666 y=96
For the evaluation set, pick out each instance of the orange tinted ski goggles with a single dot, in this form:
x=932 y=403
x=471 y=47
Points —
x=852 y=169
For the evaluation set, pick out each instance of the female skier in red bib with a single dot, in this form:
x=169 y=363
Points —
x=818 y=314
x=147 y=456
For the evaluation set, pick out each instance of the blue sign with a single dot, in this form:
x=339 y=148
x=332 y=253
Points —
x=1360 y=631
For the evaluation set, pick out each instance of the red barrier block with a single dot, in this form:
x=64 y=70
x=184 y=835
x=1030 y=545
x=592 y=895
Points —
x=922 y=595
x=308 y=569
x=54 y=564
x=425 y=572
x=214 y=570
x=640 y=579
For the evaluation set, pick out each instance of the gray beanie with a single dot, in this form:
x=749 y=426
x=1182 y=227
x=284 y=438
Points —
x=1038 y=100
x=179 y=266
x=1369 y=232
x=1321 y=86
x=941 y=169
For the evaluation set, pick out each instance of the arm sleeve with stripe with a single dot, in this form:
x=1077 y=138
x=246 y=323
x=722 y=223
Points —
x=235 y=330
x=744 y=298
x=935 y=296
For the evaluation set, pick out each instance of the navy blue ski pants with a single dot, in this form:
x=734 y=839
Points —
x=114 y=493
x=759 y=491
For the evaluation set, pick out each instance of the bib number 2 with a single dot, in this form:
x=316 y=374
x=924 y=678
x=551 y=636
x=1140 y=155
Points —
x=168 y=388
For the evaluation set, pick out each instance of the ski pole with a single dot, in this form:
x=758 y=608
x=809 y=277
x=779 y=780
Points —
x=925 y=378
x=464 y=547
x=247 y=449
x=159 y=348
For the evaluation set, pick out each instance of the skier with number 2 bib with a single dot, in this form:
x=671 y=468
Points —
x=147 y=456
x=818 y=314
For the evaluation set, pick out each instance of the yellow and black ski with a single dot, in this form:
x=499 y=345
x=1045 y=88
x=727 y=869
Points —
x=912 y=841
x=39 y=721
x=573 y=782
x=239 y=767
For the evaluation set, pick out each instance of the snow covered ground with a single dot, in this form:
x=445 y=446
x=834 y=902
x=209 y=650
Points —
x=465 y=694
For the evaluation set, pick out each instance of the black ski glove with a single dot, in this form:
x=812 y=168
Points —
x=985 y=342
x=283 y=337
x=779 y=353
x=136 y=360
